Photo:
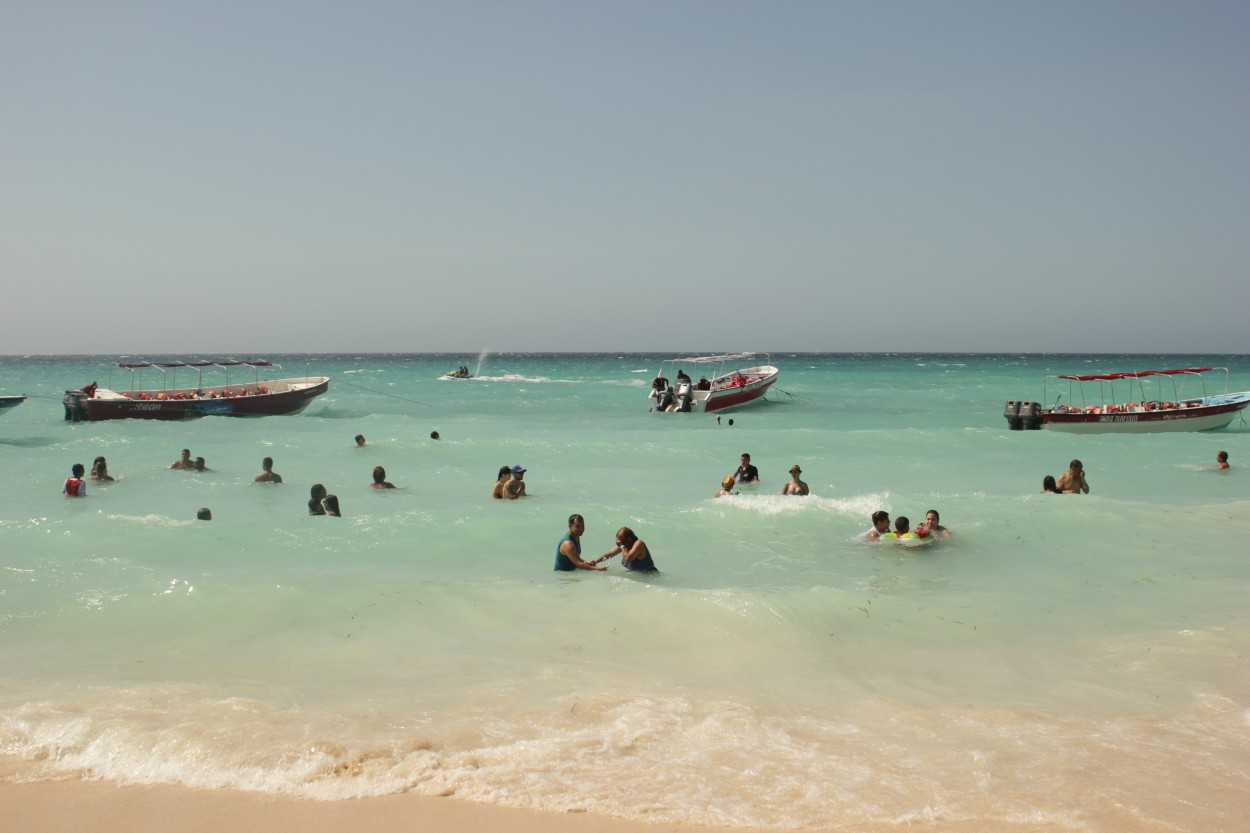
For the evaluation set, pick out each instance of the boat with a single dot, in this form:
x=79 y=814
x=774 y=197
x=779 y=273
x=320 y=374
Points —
x=1143 y=401
x=257 y=397
x=731 y=384
x=10 y=401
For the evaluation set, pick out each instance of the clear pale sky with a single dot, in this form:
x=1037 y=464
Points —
x=272 y=176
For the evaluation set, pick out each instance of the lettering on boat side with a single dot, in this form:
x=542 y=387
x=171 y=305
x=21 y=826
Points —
x=147 y=406
x=1119 y=418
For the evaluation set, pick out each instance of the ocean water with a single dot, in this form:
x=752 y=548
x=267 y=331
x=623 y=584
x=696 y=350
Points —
x=1074 y=663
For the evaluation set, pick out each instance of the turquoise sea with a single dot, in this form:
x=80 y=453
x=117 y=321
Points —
x=1077 y=663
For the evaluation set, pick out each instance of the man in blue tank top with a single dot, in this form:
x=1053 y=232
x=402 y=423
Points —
x=569 y=552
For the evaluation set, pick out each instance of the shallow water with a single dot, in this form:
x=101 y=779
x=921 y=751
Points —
x=1063 y=660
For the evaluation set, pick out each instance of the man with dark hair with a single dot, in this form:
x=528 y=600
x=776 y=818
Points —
x=880 y=525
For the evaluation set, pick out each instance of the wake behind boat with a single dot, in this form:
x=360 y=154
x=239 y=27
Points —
x=731 y=384
x=258 y=397
x=1143 y=403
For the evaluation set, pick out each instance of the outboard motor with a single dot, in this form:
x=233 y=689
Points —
x=685 y=396
x=1012 y=412
x=74 y=411
x=1031 y=415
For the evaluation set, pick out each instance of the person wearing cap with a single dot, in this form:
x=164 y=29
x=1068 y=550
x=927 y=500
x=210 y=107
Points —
x=726 y=486
x=515 y=487
x=795 y=486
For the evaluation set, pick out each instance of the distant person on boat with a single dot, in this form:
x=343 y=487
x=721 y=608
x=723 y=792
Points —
x=74 y=485
x=933 y=526
x=183 y=462
x=726 y=486
x=360 y=440
x=703 y=384
x=795 y=486
x=1072 y=481
x=331 y=505
x=1221 y=461
x=633 y=551
x=569 y=550
x=100 y=470
x=267 y=474
x=515 y=486
x=746 y=472
x=880 y=525
x=317 y=495
x=204 y=514
x=379 y=479
x=682 y=377
x=198 y=465
x=501 y=480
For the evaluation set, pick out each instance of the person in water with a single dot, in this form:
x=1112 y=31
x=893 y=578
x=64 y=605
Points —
x=880 y=525
x=501 y=479
x=100 y=470
x=633 y=551
x=379 y=479
x=204 y=514
x=360 y=440
x=514 y=487
x=184 y=462
x=267 y=474
x=1048 y=485
x=726 y=486
x=1072 y=481
x=1221 y=461
x=74 y=485
x=932 y=526
x=746 y=472
x=569 y=550
x=331 y=505
x=795 y=486
x=198 y=465
x=317 y=495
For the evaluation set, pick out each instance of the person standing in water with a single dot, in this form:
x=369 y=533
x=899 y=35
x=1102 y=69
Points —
x=569 y=550
x=633 y=551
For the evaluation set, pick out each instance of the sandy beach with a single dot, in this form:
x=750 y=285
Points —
x=75 y=805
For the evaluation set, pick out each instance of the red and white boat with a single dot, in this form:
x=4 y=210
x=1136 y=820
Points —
x=730 y=385
x=257 y=397
x=1144 y=401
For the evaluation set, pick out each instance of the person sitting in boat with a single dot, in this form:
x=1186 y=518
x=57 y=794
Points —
x=74 y=485
x=267 y=474
x=1073 y=480
x=703 y=384
x=1221 y=461
x=659 y=384
x=184 y=462
x=100 y=470
x=379 y=479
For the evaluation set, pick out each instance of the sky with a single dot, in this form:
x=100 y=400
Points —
x=236 y=178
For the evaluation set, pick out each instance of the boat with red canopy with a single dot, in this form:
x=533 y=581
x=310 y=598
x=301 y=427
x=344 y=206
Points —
x=166 y=400
x=1142 y=401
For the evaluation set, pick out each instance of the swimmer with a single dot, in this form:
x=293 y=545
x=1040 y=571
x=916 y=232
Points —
x=1072 y=481
x=267 y=474
x=726 y=486
x=360 y=440
x=74 y=485
x=746 y=472
x=317 y=495
x=501 y=479
x=515 y=486
x=569 y=550
x=1221 y=461
x=100 y=470
x=932 y=526
x=633 y=551
x=379 y=479
x=184 y=462
x=331 y=505
x=205 y=514
x=198 y=465
x=880 y=525
x=1048 y=485
x=795 y=486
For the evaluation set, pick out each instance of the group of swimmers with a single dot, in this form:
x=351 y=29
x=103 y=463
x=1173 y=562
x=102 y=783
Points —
x=509 y=483
x=748 y=473
x=635 y=555
x=931 y=528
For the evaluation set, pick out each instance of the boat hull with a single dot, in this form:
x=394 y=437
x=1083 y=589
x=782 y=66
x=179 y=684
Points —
x=9 y=402
x=283 y=397
x=1210 y=417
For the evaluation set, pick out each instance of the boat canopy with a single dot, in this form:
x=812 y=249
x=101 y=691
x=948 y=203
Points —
x=230 y=363
x=1111 y=377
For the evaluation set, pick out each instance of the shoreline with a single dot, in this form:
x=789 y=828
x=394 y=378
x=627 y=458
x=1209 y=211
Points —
x=74 y=805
